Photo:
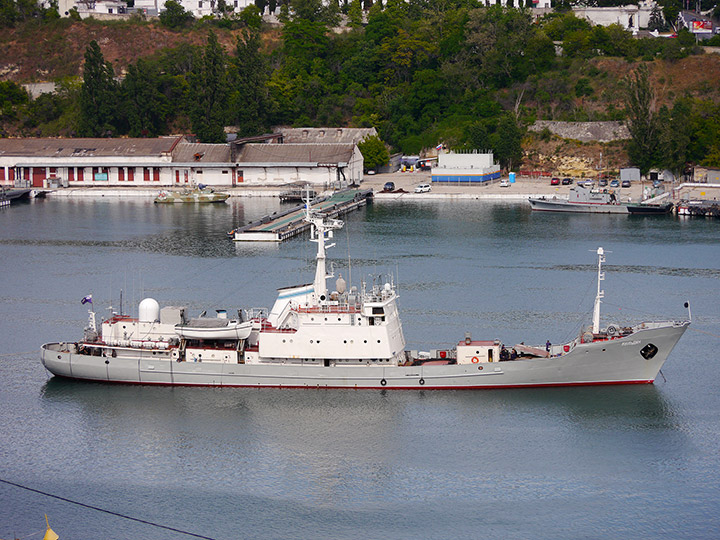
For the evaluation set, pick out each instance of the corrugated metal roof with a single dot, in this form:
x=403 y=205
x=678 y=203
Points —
x=295 y=153
x=66 y=148
x=202 y=153
x=325 y=135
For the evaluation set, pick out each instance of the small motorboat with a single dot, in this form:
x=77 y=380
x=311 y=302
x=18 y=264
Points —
x=650 y=209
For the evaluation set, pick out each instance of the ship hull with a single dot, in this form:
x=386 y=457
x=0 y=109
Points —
x=561 y=205
x=617 y=361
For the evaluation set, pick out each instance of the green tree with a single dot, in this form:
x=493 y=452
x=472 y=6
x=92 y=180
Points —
x=671 y=12
x=11 y=95
x=507 y=141
x=315 y=11
x=496 y=42
x=674 y=137
x=98 y=96
x=174 y=15
x=252 y=17
x=656 y=21
x=355 y=14
x=375 y=153
x=13 y=12
x=146 y=106
x=641 y=119
x=248 y=80
x=208 y=93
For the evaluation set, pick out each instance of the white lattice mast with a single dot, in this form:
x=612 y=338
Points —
x=600 y=292
x=322 y=230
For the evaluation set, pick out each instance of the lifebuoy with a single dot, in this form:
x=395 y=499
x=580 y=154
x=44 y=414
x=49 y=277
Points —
x=475 y=360
x=612 y=330
x=383 y=382
x=421 y=381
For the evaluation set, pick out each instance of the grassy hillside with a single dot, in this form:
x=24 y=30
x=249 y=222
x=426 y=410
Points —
x=465 y=76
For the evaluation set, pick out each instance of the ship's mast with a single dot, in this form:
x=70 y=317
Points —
x=322 y=230
x=600 y=292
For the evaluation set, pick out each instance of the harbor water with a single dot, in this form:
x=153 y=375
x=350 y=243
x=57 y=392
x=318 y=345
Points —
x=638 y=461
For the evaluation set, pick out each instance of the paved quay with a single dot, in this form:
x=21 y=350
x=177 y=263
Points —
x=518 y=191
x=405 y=183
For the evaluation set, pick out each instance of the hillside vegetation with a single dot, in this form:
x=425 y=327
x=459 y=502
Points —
x=466 y=76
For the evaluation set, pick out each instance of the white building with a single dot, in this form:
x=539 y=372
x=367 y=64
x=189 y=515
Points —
x=199 y=8
x=318 y=164
x=93 y=8
x=174 y=162
x=631 y=17
x=470 y=167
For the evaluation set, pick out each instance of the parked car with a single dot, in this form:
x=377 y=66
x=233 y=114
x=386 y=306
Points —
x=602 y=182
x=614 y=183
x=587 y=183
x=555 y=182
x=504 y=183
x=626 y=183
x=423 y=188
x=389 y=186
x=567 y=181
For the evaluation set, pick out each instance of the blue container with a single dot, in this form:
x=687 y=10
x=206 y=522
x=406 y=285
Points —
x=512 y=177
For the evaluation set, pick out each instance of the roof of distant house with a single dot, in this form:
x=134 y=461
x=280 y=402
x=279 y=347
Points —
x=87 y=147
x=295 y=153
x=325 y=134
x=201 y=153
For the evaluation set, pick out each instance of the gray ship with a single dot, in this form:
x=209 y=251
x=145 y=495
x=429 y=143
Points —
x=351 y=338
x=582 y=199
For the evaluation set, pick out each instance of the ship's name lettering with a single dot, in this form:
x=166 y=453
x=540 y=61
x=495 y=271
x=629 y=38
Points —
x=637 y=342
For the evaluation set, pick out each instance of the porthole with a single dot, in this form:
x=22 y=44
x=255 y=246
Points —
x=311 y=341
x=364 y=340
x=378 y=341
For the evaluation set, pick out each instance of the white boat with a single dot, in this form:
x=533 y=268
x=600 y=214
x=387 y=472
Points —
x=214 y=328
x=582 y=199
x=349 y=338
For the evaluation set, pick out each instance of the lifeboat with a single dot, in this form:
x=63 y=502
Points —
x=211 y=328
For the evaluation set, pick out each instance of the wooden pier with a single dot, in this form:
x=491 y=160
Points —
x=281 y=226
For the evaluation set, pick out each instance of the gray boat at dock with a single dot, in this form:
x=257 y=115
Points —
x=582 y=199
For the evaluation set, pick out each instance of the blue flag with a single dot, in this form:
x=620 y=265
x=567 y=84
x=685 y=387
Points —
x=86 y=299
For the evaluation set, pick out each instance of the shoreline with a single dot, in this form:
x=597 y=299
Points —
x=405 y=183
